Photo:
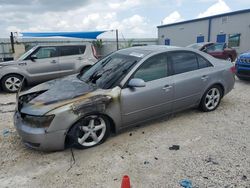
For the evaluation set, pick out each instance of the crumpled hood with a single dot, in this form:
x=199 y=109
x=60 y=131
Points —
x=53 y=93
x=8 y=63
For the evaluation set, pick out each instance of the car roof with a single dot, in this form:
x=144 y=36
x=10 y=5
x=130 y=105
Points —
x=146 y=50
x=76 y=44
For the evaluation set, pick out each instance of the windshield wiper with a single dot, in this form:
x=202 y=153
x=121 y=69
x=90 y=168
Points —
x=98 y=73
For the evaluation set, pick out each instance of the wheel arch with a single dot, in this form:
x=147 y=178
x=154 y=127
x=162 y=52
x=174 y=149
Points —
x=221 y=86
x=18 y=74
x=111 y=121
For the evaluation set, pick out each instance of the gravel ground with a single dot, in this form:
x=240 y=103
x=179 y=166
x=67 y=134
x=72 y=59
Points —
x=214 y=152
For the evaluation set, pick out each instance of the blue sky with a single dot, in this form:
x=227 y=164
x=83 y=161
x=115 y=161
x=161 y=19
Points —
x=133 y=18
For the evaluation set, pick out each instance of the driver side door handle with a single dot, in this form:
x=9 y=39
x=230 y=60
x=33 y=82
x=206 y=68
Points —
x=167 y=87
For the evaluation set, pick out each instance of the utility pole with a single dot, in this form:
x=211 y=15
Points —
x=117 y=42
x=12 y=42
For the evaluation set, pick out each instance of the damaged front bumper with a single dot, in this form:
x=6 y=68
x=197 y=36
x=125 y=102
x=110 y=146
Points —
x=39 y=138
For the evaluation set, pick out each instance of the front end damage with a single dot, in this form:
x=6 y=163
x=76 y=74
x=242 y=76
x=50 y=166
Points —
x=44 y=124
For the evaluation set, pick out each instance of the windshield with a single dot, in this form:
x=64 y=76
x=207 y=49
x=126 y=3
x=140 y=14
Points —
x=108 y=72
x=23 y=56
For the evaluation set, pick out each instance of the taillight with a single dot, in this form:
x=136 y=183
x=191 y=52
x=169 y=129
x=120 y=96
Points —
x=233 y=69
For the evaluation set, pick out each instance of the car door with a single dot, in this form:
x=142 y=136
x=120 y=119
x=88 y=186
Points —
x=71 y=57
x=42 y=64
x=190 y=78
x=217 y=50
x=155 y=99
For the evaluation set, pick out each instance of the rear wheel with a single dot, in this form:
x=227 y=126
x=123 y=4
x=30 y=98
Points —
x=11 y=83
x=230 y=59
x=211 y=99
x=90 y=131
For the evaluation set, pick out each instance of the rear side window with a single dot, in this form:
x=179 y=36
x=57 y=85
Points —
x=183 y=62
x=153 y=68
x=72 y=50
x=203 y=63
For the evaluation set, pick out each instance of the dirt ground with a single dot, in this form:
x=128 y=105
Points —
x=214 y=152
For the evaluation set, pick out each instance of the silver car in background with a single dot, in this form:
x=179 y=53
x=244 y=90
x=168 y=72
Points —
x=43 y=63
x=126 y=88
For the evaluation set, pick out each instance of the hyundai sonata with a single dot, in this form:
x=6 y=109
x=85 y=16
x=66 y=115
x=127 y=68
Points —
x=125 y=88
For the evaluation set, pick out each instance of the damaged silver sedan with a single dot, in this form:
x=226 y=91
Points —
x=125 y=88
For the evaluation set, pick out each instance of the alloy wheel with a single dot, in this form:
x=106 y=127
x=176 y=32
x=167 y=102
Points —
x=212 y=98
x=13 y=83
x=91 y=131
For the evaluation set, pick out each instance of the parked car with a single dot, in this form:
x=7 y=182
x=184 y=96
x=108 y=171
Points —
x=243 y=66
x=217 y=50
x=125 y=88
x=43 y=63
x=200 y=46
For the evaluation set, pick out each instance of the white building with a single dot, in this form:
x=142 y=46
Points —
x=232 y=28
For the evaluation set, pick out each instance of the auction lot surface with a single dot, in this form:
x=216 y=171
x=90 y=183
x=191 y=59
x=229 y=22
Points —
x=214 y=152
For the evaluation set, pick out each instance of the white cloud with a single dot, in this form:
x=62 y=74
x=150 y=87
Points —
x=218 y=8
x=124 y=4
x=97 y=15
x=171 y=18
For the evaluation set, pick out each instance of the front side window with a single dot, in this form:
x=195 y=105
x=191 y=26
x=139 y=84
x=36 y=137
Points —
x=46 y=52
x=216 y=48
x=183 y=62
x=72 y=50
x=153 y=68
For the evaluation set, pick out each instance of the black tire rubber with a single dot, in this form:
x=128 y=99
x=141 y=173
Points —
x=231 y=59
x=74 y=133
x=242 y=78
x=202 y=103
x=8 y=76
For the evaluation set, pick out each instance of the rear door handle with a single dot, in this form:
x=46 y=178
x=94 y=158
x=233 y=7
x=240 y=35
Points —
x=79 y=58
x=167 y=87
x=53 y=61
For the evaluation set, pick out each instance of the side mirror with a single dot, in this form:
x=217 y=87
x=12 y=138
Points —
x=136 y=82
x=33 y=57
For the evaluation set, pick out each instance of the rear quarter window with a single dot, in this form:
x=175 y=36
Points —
x=203 y=63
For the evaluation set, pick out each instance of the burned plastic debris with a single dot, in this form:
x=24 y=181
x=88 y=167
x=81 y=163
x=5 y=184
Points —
x=174 y=147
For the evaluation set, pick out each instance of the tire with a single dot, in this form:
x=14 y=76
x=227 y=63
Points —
x=211 y=98
x=242 y=78
x=90 y=131
x=230 y=59
x=11 y=83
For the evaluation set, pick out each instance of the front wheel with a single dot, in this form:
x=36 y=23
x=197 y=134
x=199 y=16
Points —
x=90 y=131
x=11 y=83
x=211 y=99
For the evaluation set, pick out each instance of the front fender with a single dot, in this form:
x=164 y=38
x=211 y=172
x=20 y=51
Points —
x=12 y=70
